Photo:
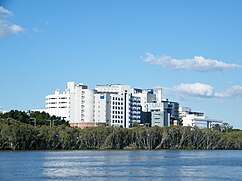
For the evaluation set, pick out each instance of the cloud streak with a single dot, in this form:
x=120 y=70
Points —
x=195 y=90
x=198 y=63
x=6 y=27
x=234 y=91
x=5 y=11
x=201 y=90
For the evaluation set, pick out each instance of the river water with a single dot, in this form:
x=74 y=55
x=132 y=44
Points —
x=121 y=165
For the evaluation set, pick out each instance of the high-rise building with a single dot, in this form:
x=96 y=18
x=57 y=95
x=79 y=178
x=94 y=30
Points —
x=121 y=107
x=75 y=104
x=155 y=110
x=105 y=105
x=58 y=104
x=113 y=105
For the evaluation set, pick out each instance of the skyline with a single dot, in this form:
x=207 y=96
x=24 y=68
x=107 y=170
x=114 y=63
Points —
x=190 y=49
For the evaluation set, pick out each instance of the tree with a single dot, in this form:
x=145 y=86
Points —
x=225 y=127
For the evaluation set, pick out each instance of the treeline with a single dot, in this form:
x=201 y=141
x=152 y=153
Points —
x=34 y=118
x=16 y=135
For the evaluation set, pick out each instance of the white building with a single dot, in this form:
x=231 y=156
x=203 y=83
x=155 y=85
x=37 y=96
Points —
x=147 y=96
x=198 y=119
x=58 y=104
x=102 y=108
x=115 y=104
x=155 y=110
x=75 y=104
x=105 y=105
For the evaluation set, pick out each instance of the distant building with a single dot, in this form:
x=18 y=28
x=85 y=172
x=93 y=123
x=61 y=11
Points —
x=190 y=118
x=155 y=110
x=115 y=104
x=112 y=105
x=75 y=104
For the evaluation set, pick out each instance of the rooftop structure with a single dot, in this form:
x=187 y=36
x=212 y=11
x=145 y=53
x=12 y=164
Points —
x=191 y=118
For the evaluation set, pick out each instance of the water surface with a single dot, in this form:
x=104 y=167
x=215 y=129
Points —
x=121 y=165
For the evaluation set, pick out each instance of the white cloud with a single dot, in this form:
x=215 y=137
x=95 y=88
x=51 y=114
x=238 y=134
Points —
x=234 y=91
x=5 y=11
x=198 y=63
x=201 y=90
x=6 y=27
x=195 y=90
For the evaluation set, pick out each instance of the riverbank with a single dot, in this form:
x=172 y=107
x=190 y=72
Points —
x=15 y=135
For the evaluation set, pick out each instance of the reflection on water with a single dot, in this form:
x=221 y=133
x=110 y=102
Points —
x=121 y=165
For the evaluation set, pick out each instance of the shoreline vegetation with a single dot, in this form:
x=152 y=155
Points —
x=20 y=133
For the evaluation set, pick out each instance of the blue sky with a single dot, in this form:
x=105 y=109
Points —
x=190 y=48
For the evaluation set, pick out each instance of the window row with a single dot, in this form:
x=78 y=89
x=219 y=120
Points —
x=115 y=116
x=117 y=103
x=117 y=107
x=117 y=121
x=118 y=99
x=117 y=112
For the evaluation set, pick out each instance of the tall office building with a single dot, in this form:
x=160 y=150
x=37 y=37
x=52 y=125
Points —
x=75 y=104
x=112 y=105
x=118 y=104
x=155 y=110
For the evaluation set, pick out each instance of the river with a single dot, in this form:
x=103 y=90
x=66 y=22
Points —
x=121 y=165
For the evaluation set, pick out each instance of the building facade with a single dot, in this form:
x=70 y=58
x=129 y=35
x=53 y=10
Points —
x=112 y=105
x=75 y=104
x=198 y=119
x=155 y=110
x=120 y=105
